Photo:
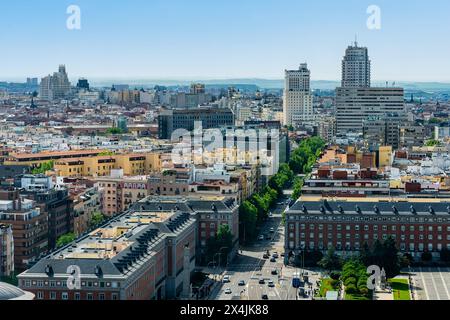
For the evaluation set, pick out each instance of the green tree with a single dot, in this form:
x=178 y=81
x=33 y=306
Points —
x=432 y=143
x=248 y=216
x=260 y=205
x=106 y=153
x=330 y=261
x=304 y=157
x=43 y=167
x=445 y=255
x=65 y=239
x=97 y=218
x=391 y=259
x=298 y=185
x=114 y=131
x=426 y=256
x=221 y=244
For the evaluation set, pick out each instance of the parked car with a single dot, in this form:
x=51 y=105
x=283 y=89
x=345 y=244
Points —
x=241 y=283
x=275 y=255
x=272 y=230
x=265 y=256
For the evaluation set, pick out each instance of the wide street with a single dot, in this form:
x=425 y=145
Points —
x=250 y=266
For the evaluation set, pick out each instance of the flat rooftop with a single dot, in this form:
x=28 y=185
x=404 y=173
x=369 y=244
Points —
x=108 y=241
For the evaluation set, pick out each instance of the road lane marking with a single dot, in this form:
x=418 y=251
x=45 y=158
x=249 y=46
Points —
x=445 y=285
x=424 y=283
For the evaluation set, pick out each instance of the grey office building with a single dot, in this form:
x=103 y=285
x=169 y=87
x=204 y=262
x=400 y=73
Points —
x=170 y=120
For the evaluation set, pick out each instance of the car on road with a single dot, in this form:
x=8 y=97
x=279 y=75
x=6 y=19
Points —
x=226 y=279
x=270 y=284
x=264 y=296
x=260 y=237
x=275 y=255
x=272 y=230
x=241 y=283
x=273 y=259
x=265 y=256
x=227 y=291
x=274 y=272
x=262 y=281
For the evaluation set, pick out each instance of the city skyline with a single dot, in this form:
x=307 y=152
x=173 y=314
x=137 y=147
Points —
x=181 y=41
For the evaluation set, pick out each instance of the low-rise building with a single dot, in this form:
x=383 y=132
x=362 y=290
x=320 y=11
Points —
x=417 y=225
x=101 y=166
x=139 y=255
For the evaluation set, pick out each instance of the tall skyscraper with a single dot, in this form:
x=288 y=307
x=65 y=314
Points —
x=56 y=86
x=357 y=102
x=298 y=99
x=356 y=67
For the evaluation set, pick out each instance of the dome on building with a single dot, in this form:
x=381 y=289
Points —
x=10 y=292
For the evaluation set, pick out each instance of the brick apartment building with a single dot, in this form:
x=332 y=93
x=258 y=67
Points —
x=139 y=255
x=29 y=226
x=417 y=225
x=209 y=212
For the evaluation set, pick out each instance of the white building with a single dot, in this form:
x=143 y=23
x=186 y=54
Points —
x=56 y=86
x=354 y=105
x=297 y=99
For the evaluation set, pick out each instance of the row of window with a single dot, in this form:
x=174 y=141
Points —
x=88 y=284
x=366 y=227
x=376 y=218
x=348 y=246
x=77 y=296
x=374 y=236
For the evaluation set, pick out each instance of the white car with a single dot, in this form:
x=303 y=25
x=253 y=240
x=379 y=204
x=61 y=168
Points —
x=260 y=237
x=271 y=284
x=226 y=279
x=227 y=291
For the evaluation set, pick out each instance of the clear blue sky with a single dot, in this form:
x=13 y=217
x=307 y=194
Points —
x=212 y=39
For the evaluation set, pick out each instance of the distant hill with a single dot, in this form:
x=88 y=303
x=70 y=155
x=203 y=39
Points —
x=427 y=87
